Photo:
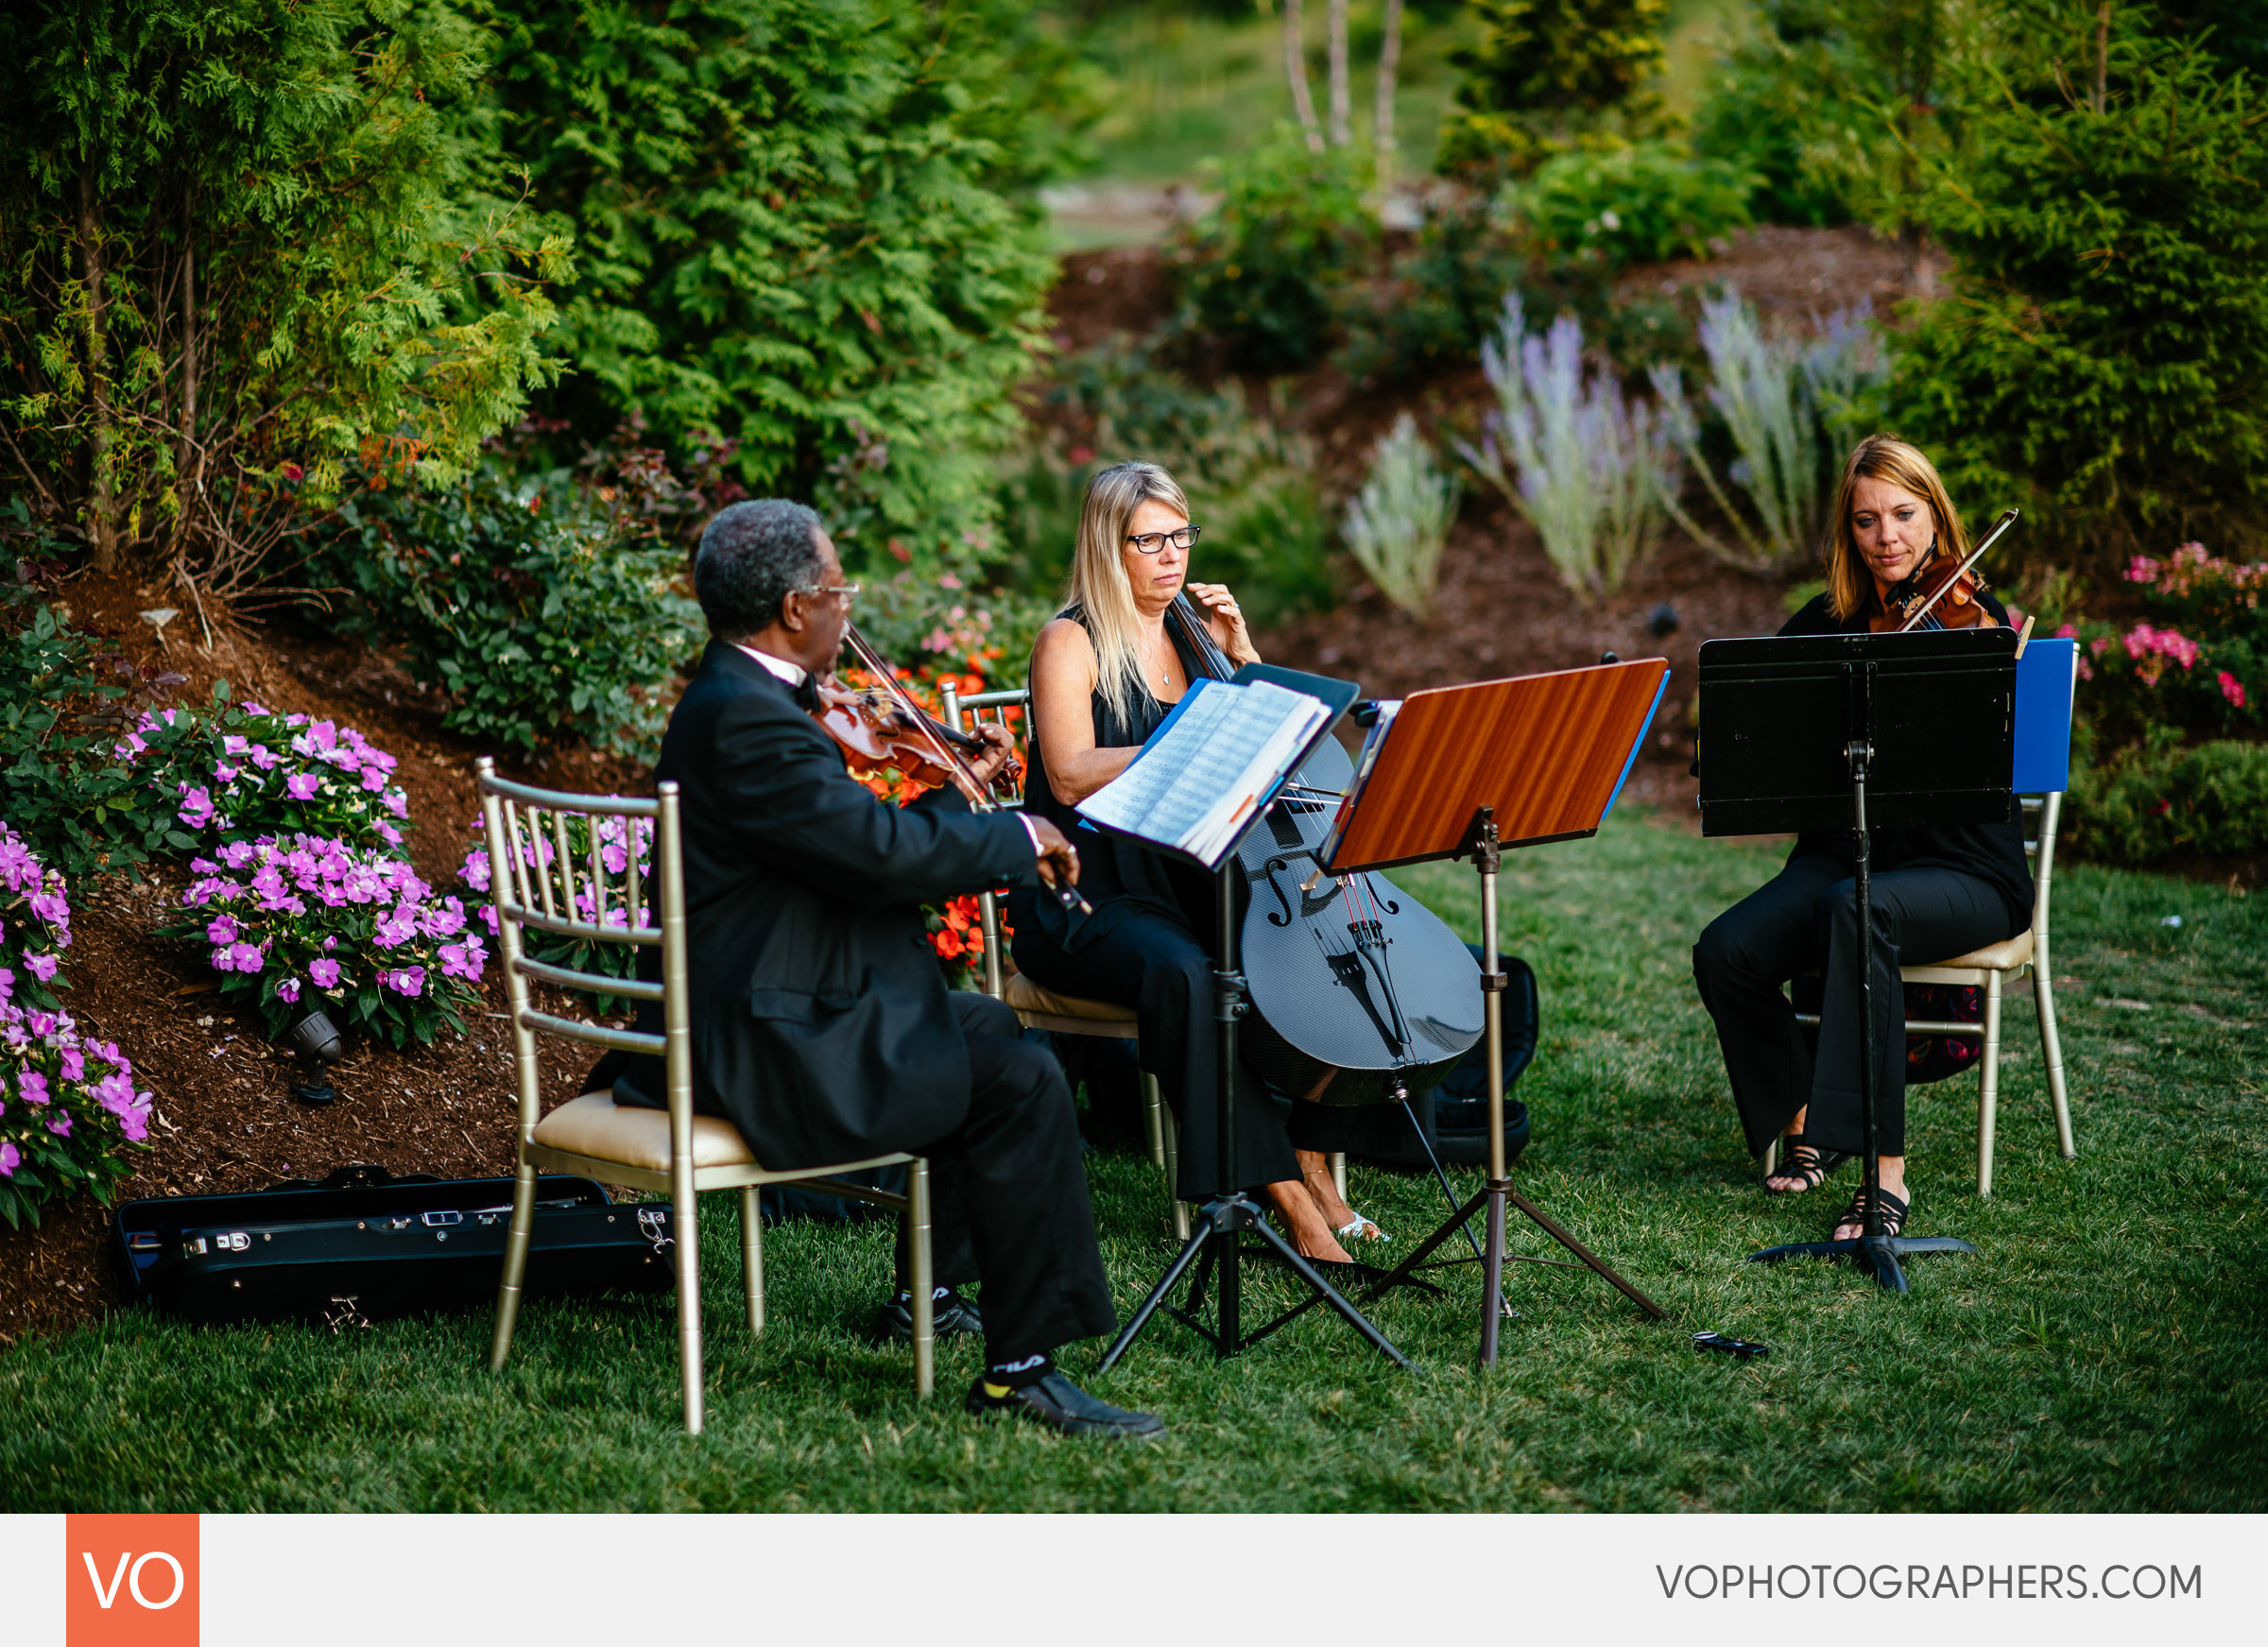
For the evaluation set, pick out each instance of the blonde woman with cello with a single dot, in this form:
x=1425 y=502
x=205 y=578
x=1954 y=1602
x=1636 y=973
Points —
x=1104 y=675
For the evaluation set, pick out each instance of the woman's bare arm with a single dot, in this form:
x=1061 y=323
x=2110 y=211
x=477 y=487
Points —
x=1063 y=677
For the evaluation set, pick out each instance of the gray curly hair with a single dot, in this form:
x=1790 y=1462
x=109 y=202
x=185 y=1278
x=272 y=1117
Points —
x=752 y=557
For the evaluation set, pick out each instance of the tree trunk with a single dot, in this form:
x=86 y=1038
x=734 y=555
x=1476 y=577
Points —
x=2103 y=58
x=102 y=506
x=1389 y=64
x=188 y=463
x=1342 y=113
x=1295 y=70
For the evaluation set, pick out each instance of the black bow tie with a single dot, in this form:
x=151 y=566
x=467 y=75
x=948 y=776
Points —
x=806 y=693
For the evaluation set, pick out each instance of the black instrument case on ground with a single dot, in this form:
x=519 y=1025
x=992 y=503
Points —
x=363 y=1246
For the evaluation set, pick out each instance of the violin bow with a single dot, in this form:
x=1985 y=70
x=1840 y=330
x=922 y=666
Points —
x=2007 y=520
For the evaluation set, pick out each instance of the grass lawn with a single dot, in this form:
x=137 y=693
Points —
x=2104 y=1349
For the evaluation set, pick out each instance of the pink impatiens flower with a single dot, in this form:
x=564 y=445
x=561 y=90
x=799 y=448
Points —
x=42 y=966
x=323 y=973
x=2232 y=689
x=302 y=786
x=10 y=1158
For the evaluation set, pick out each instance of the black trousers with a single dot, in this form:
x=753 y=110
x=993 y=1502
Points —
x=1805 y=920
x=1008 y=1196
x=1158 y=967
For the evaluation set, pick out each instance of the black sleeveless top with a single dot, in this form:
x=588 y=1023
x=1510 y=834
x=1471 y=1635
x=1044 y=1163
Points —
x=1119 y=879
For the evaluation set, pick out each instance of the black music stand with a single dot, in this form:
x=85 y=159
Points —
x=1546 y=755
x=1217 y=1226
x=1859 y=732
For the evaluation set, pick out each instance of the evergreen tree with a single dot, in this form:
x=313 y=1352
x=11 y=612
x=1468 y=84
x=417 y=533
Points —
x=248 y=245
x=805 y=231
x=1549 y=75
x=2104 y=353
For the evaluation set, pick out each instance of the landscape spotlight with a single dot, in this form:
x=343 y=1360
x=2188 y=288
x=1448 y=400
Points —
x=314 y=1041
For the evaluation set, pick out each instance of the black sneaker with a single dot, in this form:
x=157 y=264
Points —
x=952 y=1315
x=1061 y=1404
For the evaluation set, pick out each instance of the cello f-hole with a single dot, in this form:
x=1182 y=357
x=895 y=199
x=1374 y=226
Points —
x=1285 y=918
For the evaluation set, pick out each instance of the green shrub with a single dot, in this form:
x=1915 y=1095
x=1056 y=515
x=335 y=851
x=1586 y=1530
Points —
x=2158 y=799
x=537 y=612
x=808 y=229
x=64 y=784
x=1252 y=482
x=1263 y=276
x=1549 y=76
x=1441 y=298
x=2105 y=355
x=1646 y=203
x=1763 y=97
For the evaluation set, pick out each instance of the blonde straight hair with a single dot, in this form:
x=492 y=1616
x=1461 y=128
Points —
x=1098 y=574
x=1849 y=585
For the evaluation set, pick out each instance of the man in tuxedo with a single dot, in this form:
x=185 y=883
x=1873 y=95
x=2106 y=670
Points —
x=821 y=1026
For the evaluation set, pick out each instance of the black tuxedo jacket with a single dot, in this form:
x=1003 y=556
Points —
x=820 y=1023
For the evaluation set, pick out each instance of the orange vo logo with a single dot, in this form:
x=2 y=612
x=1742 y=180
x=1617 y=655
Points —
x=131 y=1580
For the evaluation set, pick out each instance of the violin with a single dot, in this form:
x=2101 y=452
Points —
x=877 y=729
x=886 y=726
x=1940 y=593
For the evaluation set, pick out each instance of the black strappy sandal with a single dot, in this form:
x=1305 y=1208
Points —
x=1802 y=1160
x=1894 y=1214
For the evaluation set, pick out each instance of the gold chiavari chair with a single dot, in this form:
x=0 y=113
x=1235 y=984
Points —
x=1992 y=968
x=540 y=884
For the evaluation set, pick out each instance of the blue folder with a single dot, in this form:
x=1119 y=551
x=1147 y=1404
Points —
x=2046 y=676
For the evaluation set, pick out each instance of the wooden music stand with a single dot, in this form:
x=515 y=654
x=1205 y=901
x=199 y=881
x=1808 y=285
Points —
x=1464 y=772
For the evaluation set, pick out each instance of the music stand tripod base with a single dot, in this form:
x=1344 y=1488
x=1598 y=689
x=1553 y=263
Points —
x=1875 y=1254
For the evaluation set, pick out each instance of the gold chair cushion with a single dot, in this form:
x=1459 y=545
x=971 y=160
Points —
x=1023 y=995
x=2000 y=957
x=596 y=1126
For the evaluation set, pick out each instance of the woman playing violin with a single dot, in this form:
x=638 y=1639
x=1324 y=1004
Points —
x=1104 y=675
x=1936 y=892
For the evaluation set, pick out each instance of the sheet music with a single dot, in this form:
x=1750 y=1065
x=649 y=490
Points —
x=1203 y=777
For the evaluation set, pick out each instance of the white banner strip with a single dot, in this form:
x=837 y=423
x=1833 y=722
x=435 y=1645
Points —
x=343 y=1580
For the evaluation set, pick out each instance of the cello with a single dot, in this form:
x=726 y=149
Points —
x=1361 y=994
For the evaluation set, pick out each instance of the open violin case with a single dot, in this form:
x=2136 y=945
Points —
x=363 y=1246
